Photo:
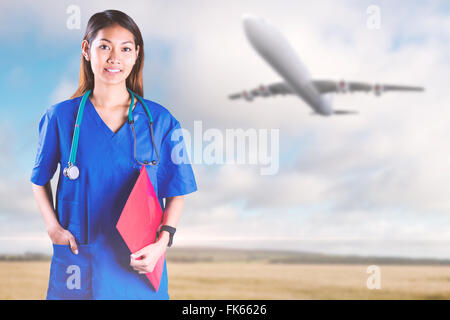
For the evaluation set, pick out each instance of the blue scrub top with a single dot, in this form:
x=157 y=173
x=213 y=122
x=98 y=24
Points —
x=90 y=206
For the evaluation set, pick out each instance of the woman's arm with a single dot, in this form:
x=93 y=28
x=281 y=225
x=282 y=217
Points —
x=58 y=235
x=172 y=214
x=151 y=253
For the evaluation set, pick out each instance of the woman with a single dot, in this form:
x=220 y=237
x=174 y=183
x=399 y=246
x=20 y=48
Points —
x=90 y=259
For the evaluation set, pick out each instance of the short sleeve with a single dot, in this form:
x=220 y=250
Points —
x=48 y=152
x=175 y=175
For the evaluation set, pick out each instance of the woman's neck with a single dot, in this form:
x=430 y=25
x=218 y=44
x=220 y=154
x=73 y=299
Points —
x=110 y=96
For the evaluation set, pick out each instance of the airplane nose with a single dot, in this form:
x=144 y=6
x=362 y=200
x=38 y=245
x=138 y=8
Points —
x=248 y=22
x=246 y=17
x=251 y=22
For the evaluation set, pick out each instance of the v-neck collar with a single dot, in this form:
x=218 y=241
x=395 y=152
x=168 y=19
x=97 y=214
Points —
x=102 y=123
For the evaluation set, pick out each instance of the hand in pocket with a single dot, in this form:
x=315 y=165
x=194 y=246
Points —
x=58 y=235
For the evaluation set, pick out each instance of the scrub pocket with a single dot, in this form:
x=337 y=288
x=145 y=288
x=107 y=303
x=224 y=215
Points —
x=72 y=217
x=70 y=274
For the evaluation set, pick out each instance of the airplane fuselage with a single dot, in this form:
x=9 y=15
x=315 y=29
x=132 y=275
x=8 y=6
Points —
x=276 y=50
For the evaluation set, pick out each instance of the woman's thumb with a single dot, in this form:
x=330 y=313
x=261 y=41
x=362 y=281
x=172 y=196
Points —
x=137 y=254
x=73 y=245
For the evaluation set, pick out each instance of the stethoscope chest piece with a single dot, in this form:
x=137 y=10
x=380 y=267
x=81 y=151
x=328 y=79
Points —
x=71 y=172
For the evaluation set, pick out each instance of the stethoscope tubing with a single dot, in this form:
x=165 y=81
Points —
x=71 y=171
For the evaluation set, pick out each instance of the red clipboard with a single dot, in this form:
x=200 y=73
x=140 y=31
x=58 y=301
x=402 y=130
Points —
x=139 y=221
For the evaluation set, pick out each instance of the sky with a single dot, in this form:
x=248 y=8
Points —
x=375 y=183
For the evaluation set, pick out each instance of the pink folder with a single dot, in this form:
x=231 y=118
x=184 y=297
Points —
x=139 y=221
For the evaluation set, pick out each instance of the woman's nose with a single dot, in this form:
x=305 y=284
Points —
x=113 y=57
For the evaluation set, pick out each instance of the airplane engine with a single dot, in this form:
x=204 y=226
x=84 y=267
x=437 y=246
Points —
x=378 y=89
x=247 y=95
x=342 y=87
x=264 y=91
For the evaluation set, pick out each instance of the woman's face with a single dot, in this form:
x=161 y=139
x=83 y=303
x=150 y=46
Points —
x=112 y=54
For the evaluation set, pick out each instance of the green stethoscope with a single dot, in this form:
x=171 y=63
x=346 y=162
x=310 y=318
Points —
x=72 y=171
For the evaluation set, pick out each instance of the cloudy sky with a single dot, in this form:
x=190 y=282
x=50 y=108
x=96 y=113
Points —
x=375 y=183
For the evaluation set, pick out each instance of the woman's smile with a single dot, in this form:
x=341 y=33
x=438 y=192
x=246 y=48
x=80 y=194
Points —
x=112 y=71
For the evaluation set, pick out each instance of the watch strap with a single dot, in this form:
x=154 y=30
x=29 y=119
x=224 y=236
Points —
x=171 y=231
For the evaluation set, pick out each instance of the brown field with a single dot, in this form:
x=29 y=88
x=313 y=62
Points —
x=259 y=280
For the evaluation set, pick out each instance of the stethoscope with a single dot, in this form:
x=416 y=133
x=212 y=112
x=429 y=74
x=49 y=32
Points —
x=71 y=171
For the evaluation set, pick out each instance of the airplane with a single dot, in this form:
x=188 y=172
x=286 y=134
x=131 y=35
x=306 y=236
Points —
x=273 y=47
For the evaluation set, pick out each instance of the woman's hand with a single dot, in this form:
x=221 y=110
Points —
x=58 y=235
x=149 y=256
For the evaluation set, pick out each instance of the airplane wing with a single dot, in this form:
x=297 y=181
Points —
x=323 y=86
x=328 y=86
x=279 y=88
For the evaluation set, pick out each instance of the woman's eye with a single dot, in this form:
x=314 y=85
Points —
x=127 y=49
x=103 y=46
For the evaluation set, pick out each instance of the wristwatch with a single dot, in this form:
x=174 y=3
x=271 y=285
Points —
x=169 y=229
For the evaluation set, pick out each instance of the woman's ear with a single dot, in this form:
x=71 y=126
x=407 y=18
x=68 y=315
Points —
x=85 y=49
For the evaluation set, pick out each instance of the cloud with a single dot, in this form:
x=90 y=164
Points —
x=371 y=183
x=382 y=163
x=63 y=91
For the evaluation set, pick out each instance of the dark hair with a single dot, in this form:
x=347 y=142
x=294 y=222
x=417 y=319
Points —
x=102 y=20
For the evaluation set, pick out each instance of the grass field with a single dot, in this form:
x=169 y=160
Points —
x=258 y=280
